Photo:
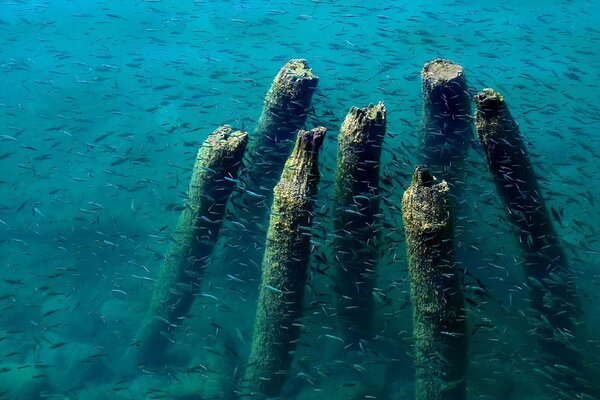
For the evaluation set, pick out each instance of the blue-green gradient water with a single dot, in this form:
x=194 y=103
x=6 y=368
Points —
x=103 y=105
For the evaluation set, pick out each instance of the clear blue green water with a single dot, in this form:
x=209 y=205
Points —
x=104 y=104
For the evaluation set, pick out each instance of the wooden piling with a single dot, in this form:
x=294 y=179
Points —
x=553 y=296
x=439 y=320
x=356 y=205
x=447 y=128
x=211 y=184
x=284 y=268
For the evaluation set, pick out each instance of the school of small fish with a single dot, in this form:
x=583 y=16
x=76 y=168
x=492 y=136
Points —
x=105 y=103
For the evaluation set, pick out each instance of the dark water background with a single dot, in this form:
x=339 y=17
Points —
x=104 y=104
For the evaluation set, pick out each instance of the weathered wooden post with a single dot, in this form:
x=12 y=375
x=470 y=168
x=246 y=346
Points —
x=439 y=319
x=287 y=253
x=552 y=290
x=211 y=184
x=285 y=109
x=356 y=205
x=447 y=127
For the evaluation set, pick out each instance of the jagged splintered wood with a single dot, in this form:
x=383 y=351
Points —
x=211 y=184
x=552 y=290
x=284 y=267
x=356 y=205
x=439 y=320
x=447 y=127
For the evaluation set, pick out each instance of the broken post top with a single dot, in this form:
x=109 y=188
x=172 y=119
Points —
x=489 y=104
x=221 y=145
x=425 y=206
x=492 y=117
x=422 y=176
x=359 y=151
x=225 y=137
x=441 y=72
x=309 y=141
x=295 y=81
x=364 y=125
x=301 y=168
x=298 y=68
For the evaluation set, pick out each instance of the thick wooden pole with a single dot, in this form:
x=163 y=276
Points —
x=286 y=107
x=553 y=294
x=285 y=110
x=447 y=127
x=439 y=319
x=356 y=205
x=284 y=267
x=211 y=184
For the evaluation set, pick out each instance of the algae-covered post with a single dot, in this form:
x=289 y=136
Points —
x=439 y=320
x=552 y=290
x=447 y=127
x=211 y=184
x=285 y=110
x=356 y=204
x=286 y=257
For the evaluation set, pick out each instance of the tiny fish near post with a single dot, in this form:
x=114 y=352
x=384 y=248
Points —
x=284 y=266
x=439 y=319
x=356 y=205
x=447 y=127
x=211 y=184
x=552 y=290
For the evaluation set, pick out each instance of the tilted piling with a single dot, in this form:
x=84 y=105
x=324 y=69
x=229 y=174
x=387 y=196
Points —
x=553 y=295
x=447 y=128
x=211 y=184
x=285 y=109
x=356 y=205
x=284 y=268
x=439 y=320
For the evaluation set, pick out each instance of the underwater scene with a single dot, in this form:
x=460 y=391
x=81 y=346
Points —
x=302 y=199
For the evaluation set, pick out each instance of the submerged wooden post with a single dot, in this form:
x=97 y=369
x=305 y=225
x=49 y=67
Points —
x=356 y=205
x=287 y=253
x=285 y=110
x=211 y=184
x=286 y=107
x=447 y=127
x=439 y=320
x=552 y=290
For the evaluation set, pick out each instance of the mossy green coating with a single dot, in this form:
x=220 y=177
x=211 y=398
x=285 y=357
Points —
x=285 y=110
x=356 y=205
x=439 y=320
x=211 y=184
x=552 y=290
x=447 y=128
x=286 y=257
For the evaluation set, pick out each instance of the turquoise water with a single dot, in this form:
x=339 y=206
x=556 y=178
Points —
x=104 y=105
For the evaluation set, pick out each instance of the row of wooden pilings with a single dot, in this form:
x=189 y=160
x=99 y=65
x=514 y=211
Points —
x=286 y=183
